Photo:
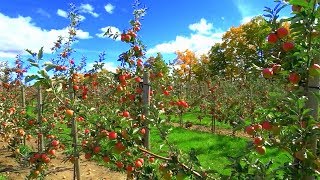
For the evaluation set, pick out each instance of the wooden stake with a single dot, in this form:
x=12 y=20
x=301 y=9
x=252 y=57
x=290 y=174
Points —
x=40 y=136
x=146 y=104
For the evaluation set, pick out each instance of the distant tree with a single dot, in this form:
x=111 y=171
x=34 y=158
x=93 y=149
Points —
x=242 y=48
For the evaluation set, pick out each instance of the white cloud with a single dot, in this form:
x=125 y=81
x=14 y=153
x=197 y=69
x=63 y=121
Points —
x=87 y=8
x=82 y=18
x=113 y=30
x=246 y=19
x=109 y=8
x=247 y=10
x=201 y=27
x=24 y=34
x=200 y=42
x=43 y=12
x=62 y=13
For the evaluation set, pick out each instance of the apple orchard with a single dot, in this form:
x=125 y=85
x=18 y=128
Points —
x=262 y=80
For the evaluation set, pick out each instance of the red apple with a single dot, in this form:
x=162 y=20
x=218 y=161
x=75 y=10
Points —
x=266 y=125
x=112 y=135
x=55 y=143
x=130 y=168
x=258 y=141
x=287 y=46
x=126 y=114
x=272 y=38
x=96 y=149
x=282 y=32
x=314 y=70
x=267 y=72
x=138 y=163
x=87 y=155
x=142 y=131
x=261 y=150
x=294 y=78
x=119 y=164
x=106 y=159
x=250 y=130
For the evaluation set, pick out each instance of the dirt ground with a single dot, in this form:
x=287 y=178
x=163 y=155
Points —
x=220 y=131
x=58 y=170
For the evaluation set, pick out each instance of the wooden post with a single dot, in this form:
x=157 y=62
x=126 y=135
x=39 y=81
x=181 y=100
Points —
x=313 y=104
x=146 y=104
x=23 y=104
x=39 y=120
x=74 y=134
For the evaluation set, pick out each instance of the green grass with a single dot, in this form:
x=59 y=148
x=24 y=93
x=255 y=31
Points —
x=193 y=115
x=3 y=177
x=212 y=149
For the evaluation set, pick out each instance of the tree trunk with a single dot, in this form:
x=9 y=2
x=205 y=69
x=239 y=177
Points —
x=313 y=104
x=146 y=104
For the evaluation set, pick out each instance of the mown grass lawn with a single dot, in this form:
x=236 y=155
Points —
x=212 y=149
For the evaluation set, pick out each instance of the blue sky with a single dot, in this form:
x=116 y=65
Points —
x=169 y=25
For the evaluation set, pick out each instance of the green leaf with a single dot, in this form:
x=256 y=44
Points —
x=31 y=78
x=34 y=64
x=40 y=53
x=49 y=66
x=44 y=74
x=30 y=52
x=30 y=111
x=302 y=3
x=31 y=60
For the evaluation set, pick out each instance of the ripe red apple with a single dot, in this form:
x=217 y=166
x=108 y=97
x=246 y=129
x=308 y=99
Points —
x=119 y=164
x=250 y=130
x=112 y=135
x=272 y=38
x=122 y=78
x=138 y=79
x=130 y=168
x=267 y=72
x=136 y=48
x=294 y=78
x=266 y=125
x=314 y=70
x=86 y=131
x=151 y=159
x=282 y=32
x=258 y=141
x=52 y=152
x=138 y=164
x=119 y=146
x=142 y=131
x=261 y=150
x=76 y=87
x=287 y=46
x=106 y=159
x=55 y=142
x=96 y=149
x=166 y=93
x=87 y=155
x=126 y=114
x=69 y=113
